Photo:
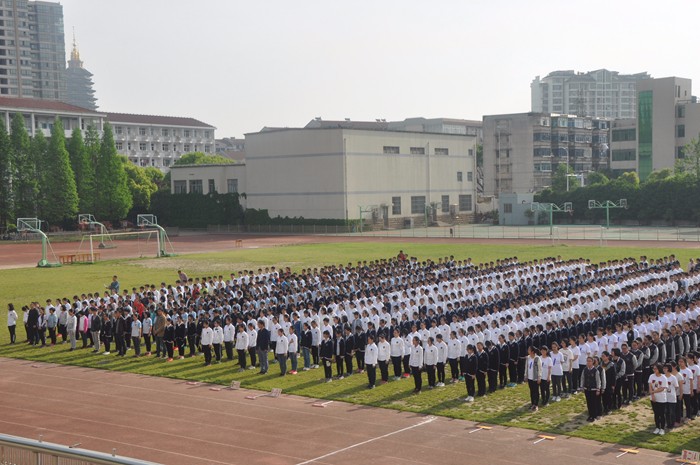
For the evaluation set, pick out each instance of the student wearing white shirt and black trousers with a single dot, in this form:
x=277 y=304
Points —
x=206 y=342
x=281 y=350
x=430 y=357
x=293 y=349
x=415 y=361
x=241 y=341
x=12 y=318
x=371 y=354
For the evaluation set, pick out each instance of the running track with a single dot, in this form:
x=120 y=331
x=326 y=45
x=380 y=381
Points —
x=173 y=423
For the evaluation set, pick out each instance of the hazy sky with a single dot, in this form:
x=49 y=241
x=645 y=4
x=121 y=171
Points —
x=243 y=65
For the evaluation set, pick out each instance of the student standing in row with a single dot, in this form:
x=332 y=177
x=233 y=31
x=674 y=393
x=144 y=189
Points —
x=52 y=323
x=263 y=346
x=557 y=372
x=252 y=345
x=671 y=397
x=241 y=338
x=591 y=384
x=206 y=340
x=533 y=367
x=470 y=375
x=292 y=349
x=383 y=356
x=430 y=358
x=281 y=351
x=71 y=326
x=12 y=318
x=546 y=375
x=169 y=339
x=217 y=340
x=657 y=391
x=180 y=337
x=416 y=363
x=229 y=336
x=136 y=335
x=482 y=368
x=191 y=336
x=442 y=359
x=326 y=354
x=306 y=346
x=396 y=353
x=370 y=361
x=146 y=327
x=339 y=353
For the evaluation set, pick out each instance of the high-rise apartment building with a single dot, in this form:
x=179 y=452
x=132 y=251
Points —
x=598 y=94
x=32 y=49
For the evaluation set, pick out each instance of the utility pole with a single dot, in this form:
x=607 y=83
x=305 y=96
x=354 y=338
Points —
x=607 y=205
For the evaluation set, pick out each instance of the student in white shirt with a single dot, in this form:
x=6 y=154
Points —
x=242 y=344
x=71 y=326
x=415 y=361
x=229 y=336
x=671 y=397
x=371 y=361
x=442 y=359
x=688 y=385
x=293 y=350
x=430 y=358
x=12 y=318
x=658 y=384
x=454 y=348
x=206 y=340
x=557 y=372
x=217 y=339
x=546 y=375
x=252 y=342
x=281 y=351
x=396 y=353
x=383 y=355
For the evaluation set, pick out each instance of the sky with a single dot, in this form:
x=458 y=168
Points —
x=241 y=66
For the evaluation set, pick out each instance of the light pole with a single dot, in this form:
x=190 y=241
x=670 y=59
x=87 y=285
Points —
x=607 y=205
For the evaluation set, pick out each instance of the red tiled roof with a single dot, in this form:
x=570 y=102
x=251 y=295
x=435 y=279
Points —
x=156 y=120
x=39 y=104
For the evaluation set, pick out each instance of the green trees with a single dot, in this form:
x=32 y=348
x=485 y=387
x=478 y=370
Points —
x=84 y=170
x=59 y=196
x=564 y=171
x=24 y=181
x=113 y=197
x=6 y=194
x=141 y=185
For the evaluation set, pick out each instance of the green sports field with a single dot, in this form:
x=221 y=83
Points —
x=631 y=426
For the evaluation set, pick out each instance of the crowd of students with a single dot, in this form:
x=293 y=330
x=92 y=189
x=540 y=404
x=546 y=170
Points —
x=616 y=331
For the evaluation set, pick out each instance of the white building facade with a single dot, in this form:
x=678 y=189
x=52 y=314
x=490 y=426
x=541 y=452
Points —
x=391 y=178
x=208 y=179
x=599 y=94
x=39 y=115
x=159 y=141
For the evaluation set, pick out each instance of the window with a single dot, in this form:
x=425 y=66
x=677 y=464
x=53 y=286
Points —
x=180 y=187
x=174 y=147
x=470 y=176
x=128 y=145
x=417 y=150
x=206 y=134
x=445 y=204
x=186 y=147
x=441 y=151
x=118 y=130
x=391 y=149
x=543 y=167
x=680 y=130
x=196 y=186
x=542 y=152
x=207 y=149
x=471 y=152
x=164 y=132
x=507 y=208
x=680 y=152
x=212 y=186
x=232 y=186
x=465 y=203
x=417 y=204
x=396 y=205
x=153 y=147
x=119 y=146
x=165 y=147
x=142 y=146
x=142 y=131
x=541 y=137
x=624 y=155
x=621 y=135
x=166 y=161
x=680 y=111
x=459 y=176
x=187 y=133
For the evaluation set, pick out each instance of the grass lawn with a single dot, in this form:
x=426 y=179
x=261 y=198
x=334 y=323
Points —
x=631 y=426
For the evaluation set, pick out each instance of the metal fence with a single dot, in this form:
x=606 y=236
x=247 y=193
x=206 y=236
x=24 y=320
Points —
x=20 y=451
x=483 y=231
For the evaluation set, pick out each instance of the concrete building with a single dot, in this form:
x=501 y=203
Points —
x=668 y=118
x=599 y=94
x=158 y=141
x=514 y=209
x=231 y=148
x=623 y=146
x=39 y=115
x=207 y=179
x=390 y=178
x=79 y=85
x=522 y=150
x=463 y=127
x=32 y=50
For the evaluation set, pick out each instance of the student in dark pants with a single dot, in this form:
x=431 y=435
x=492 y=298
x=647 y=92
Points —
x=591 y=385
x=533 y=372
x=339 y=353
x=471 y=370
x=482 y=360
x=494 y=365
x=106 y=332
x=192 y=335
x=370 y=361
x=326 y=354
x=416 y=363
x=169 y=339
x=349 y=350
x=206 y=340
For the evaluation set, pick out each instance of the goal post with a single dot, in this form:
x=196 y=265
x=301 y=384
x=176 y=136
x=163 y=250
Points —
x=148 y=220
x=33 y=225
x=88 y=221
x=141 y=243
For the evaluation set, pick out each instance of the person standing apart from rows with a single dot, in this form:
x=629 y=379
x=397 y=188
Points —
x=12 y=318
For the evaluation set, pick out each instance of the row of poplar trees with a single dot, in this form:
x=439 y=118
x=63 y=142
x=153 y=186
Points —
x=54 y=179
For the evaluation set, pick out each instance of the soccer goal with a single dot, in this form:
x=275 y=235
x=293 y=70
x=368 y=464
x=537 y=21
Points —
x=137 y=244
x=88 y=222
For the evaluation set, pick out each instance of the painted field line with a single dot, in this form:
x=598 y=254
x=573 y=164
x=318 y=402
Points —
x=424 y=422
